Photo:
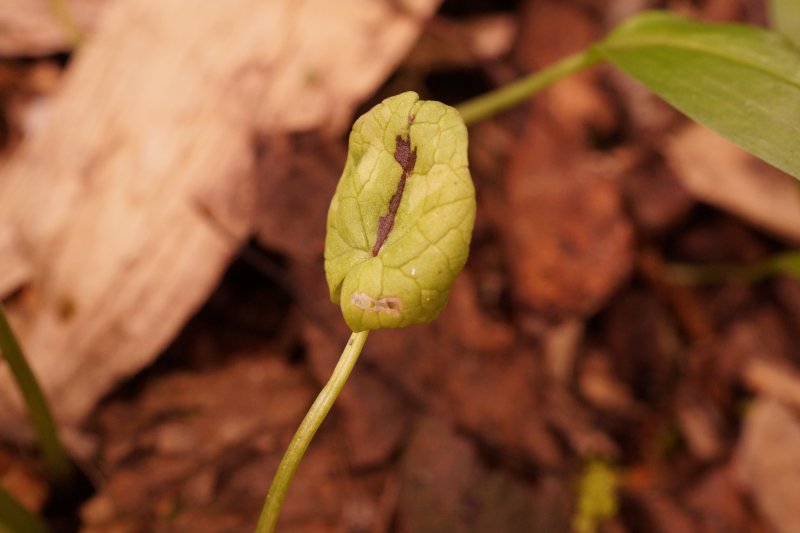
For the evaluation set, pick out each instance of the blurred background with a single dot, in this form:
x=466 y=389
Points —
x=165 y=172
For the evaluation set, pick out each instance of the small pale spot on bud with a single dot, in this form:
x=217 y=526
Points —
x=388 y=305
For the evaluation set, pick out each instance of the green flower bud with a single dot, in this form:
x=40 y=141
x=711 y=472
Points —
x=400 y=223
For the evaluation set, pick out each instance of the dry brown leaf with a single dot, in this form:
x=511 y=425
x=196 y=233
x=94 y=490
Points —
x=768 y=463
x=449 y=43
x=568 y=240
x=716 y=502
x=195 y=450
x=718 y=172
x=574 y=423
x=656 y=199
x=604 y=390
x=542 y=39
x=129 y=204
x=500 y=397
x=700 y=422
x=23 y=481
x=444 y=488
x=660 y=513
x=773 y=378
x=574 y=100
x=303 y=184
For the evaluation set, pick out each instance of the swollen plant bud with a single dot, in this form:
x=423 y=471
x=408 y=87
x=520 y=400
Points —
x=400 y=223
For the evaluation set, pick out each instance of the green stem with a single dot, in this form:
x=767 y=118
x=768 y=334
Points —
x=515 y=93
x=314 y=417
x=54 y=455
x=786 y=263
x=686 y=274
x=14 y=517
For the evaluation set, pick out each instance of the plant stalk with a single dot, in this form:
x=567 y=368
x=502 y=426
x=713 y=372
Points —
x=786 y=264
x=308 y=427
x=493 y=102
x=56 y=460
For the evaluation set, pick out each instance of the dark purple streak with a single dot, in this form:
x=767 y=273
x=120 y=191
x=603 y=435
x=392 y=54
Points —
x=407 y=158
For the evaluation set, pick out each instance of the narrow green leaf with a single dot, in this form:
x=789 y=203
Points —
x=54 y=454
x=741 y=81
x=784 y=16
x=15 y=518
x=400 y=223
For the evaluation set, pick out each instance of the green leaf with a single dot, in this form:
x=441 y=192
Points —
x=400 y=223
x=784 y=16
x=741 y=81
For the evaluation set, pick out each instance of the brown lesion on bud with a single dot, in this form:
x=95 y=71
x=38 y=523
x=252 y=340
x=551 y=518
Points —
x=388 y=305
x=407 y=157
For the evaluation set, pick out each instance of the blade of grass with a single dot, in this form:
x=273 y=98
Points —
x=786 y=264
x=56 y=460
x=17 y=519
